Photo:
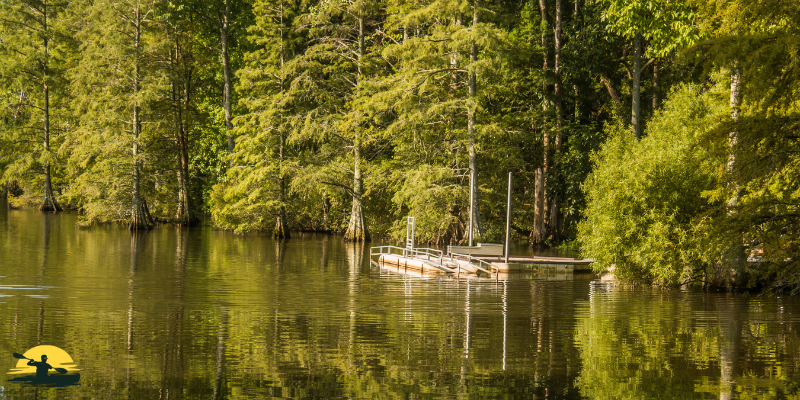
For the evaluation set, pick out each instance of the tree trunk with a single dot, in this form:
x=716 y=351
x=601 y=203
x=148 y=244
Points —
x=615 y=99
x=226 y=73
x=541 y=211
x=281 y=232
x=326 y=208
x=185 y=214
x=48 y=202
x=477 y=225
x=735 y=106
x=553 y=225
x=139 y=220
x=357 y=228
x=734 y=257
x=656 y=99
x=635 y=90
x=538 y=233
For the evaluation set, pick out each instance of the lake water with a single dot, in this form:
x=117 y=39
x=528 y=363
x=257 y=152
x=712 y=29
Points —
x=202 y=314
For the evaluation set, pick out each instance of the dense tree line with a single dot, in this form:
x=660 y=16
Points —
x=661 y=134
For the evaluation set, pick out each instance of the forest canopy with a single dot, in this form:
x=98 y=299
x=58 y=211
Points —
x=658 y=137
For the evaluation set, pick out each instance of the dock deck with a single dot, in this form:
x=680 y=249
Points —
x=486 y=258
x=525 y=262
x=434 y=261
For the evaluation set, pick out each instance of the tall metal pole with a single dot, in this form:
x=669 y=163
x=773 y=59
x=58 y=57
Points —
x=508 y=215
x=471 y=196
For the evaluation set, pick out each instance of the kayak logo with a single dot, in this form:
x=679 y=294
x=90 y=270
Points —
x=45 y=366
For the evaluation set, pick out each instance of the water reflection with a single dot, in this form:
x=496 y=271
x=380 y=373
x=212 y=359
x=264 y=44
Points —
x=220 y=359
x=645 y=344
x=730 y=329
x=201 y=313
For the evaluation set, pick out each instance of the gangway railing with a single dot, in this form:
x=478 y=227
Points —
x=432 y=255
x=387 y=249
x=480 y=263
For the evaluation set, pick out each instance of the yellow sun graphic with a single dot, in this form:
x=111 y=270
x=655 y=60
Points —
x=56 y=357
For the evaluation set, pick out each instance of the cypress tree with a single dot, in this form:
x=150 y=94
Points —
x=34 y=53
x=109 y=147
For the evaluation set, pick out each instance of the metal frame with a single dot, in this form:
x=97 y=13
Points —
x=433 y=256
x=410 y=229
x=470 y=259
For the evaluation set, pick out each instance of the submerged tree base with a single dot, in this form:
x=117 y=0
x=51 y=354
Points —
x=186 y=219
x=140 y=220
x=50 y=206
x=356 y=234
x=357 y=228
x=137 y=225
x=280 y=231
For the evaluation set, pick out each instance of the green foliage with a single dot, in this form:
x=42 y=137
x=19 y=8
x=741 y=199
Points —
x=430 y=195
x=35 y=51
x=668 y=25
x=255 y=186
x=100 y=160
x=645 y=199
x=341 y=102
x=756 y=154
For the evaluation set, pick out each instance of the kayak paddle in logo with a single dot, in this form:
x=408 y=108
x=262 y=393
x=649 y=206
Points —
x=45 y=366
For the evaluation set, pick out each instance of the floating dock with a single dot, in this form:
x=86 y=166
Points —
x=485 y=258
x=516 y=263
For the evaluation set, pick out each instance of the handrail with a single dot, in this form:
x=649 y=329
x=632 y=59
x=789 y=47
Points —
x=480 y=262
x=434 y=255
x=428 y=253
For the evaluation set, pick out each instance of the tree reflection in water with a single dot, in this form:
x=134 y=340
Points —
x=641 y=345
x=202 y=313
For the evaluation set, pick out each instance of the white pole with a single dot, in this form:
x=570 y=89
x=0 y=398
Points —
x=471 y=197
x=508 y=215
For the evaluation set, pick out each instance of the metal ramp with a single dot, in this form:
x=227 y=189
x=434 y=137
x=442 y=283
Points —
x=431 y=259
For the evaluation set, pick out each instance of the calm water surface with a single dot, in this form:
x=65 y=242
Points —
x=201 y=313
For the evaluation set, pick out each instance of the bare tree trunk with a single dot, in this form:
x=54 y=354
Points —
x=139 y=220
x=656 y=99
x=735 y=106
x=636 y=87
x=226 y=73
x=541 y=213
x=281 y=231
x=326 y=208
x=48 y=202
x=558 y=91
x=734 y=257
x=357 y=228
x=537 y=235
x=477 y=224
x=615 y=99
x=185 y=214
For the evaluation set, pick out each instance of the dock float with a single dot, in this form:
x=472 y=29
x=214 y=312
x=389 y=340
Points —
x=485 y=258
x=516 y=263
